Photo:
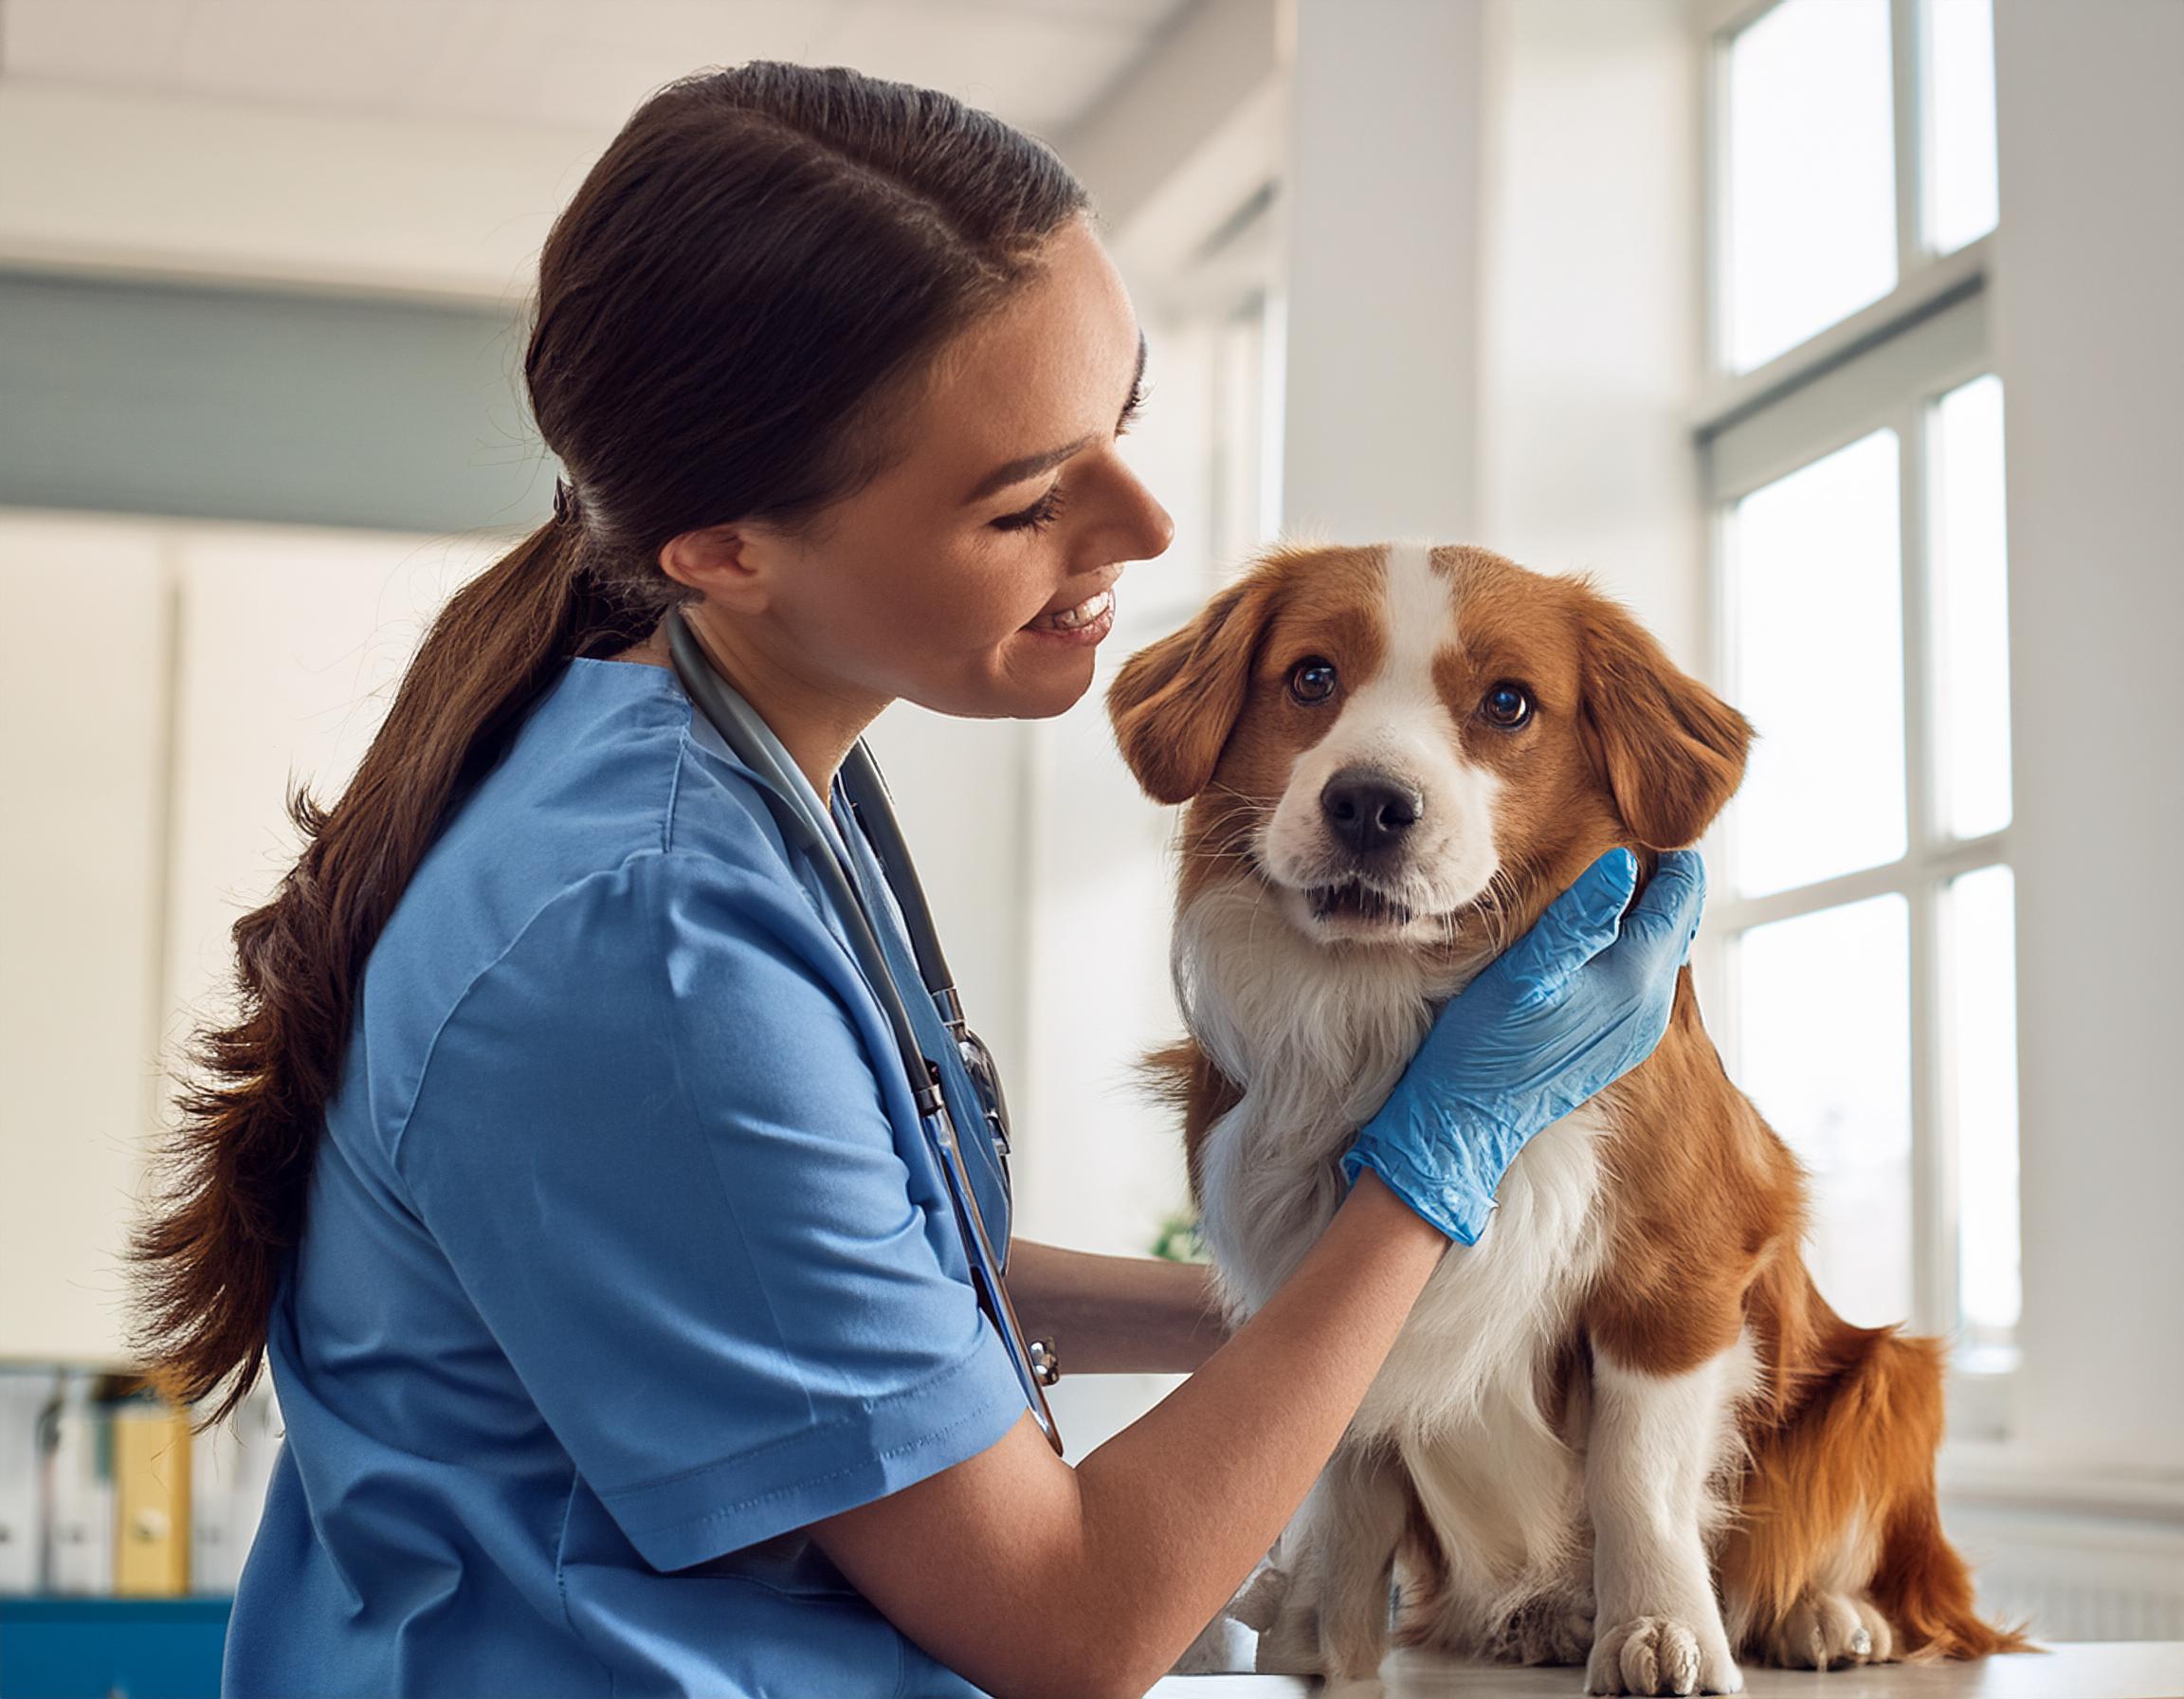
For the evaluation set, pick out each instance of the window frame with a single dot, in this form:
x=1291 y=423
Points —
x=1884 y=366
x=1922 y=271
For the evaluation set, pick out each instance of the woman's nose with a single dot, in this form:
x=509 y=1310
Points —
x=1151 y=526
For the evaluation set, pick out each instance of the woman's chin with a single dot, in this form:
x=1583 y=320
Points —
x=1045 y=700
x=1046 y=681
x=1015 y=691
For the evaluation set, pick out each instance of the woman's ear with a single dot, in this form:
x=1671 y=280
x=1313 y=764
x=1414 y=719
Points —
x=1174 y=704
x=1671 y=752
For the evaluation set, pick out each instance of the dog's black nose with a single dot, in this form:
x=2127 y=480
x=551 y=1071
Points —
x=1368 y=810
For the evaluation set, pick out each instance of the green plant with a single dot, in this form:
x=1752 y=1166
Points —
x=1180 y=1239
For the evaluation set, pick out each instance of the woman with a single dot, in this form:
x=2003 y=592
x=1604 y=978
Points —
x=561 y=1168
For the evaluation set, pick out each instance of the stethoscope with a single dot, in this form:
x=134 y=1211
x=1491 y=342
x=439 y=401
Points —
x=742 y=730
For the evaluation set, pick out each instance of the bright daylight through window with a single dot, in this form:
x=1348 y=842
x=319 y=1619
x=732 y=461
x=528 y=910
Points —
x=1865 y=902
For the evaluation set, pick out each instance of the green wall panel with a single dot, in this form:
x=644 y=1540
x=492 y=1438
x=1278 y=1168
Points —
x=211 y=402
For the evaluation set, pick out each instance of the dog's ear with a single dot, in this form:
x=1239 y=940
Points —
x=1672 y=751
x=1174 y=704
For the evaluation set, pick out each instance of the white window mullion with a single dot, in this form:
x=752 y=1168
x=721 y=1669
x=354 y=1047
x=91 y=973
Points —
x=1740 y=914
x=1921 y=805
x=1904 y=48
x=1933 y=1154
x=1726 y=913
x=1932 y=1163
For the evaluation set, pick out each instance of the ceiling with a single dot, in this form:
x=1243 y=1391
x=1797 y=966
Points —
x=1041 y=64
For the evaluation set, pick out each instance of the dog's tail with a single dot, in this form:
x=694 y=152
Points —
x=1924 y=1589
x=1840 y=1497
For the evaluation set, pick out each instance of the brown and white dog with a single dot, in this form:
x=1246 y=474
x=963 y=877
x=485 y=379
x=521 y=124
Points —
x=1623 y=1429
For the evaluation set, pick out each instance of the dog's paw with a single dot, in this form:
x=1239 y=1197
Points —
x=1260 y=1597
x=1823 y=1630
x=1659 y=1655
x=1552 y=1628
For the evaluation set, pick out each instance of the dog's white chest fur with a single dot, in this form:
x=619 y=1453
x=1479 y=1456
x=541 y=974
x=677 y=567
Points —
x=1317 y=1039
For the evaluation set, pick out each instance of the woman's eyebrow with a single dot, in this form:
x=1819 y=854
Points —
x=1030 y=466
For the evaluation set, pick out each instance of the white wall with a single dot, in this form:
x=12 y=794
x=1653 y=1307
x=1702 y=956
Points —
x=1382 y=192
x=958 y=786
x=1100 y=1164
x=163 y=184
x=81 y=869
x=2089 y=343
x=1590 y=349
x=1492 y=285
x=146 y=798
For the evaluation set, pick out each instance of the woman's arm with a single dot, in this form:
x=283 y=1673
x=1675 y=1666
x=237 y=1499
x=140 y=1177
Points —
x=1115 y=1315
x=1034 y=1579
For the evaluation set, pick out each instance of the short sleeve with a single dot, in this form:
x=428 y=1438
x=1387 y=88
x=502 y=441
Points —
x=653 y=1143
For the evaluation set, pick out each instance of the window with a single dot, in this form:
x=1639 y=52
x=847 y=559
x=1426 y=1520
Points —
x=1811 y=232
x=1853 y=446
x=1853 y=145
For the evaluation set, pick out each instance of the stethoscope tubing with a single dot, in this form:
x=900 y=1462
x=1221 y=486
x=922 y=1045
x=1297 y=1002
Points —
x=729 y=712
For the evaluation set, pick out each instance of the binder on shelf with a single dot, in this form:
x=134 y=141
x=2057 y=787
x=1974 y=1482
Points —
x=259 y=1425
x=25 y=1395
x=230 y=1467
x=104 y=1488
x=152 y=1454
x=76 y=1493
x=216 y=1541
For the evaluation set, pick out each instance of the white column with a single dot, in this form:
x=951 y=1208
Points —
x=2090 y=347
x=1380 y=433
x=1588 y=349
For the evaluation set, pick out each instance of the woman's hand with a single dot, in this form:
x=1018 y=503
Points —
x=1569 y=1008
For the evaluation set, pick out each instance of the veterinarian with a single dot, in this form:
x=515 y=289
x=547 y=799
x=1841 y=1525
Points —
x=557 y=1165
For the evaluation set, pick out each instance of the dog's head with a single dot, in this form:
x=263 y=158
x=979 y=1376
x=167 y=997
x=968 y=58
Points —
x=1410 y=744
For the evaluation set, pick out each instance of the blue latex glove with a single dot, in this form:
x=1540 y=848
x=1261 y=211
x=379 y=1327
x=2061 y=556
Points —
x=1572 y=1005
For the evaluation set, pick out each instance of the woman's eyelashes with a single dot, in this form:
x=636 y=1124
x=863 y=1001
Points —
x=1047 y=508
x=1037 y=517
x=1131 y=408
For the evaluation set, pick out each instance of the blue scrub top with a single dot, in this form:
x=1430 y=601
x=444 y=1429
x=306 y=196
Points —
x=625 y=1256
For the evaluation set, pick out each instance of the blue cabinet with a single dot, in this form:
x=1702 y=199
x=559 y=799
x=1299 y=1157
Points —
x=111 y=1648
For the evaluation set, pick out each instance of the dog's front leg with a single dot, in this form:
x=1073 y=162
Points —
x=1337 y=1560
x=1654 y=1445
x=1355 y=1522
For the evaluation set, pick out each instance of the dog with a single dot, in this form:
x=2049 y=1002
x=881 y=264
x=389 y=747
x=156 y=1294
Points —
x=1623 y=1430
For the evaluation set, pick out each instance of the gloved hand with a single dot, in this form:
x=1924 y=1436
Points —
x=1572 y=1005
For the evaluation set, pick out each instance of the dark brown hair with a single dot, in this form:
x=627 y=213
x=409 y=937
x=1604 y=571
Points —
x=754 y=275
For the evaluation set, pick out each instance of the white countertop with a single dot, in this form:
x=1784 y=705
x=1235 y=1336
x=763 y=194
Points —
x=2086 y=1670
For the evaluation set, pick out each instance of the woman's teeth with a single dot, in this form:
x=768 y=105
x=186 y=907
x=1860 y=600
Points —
x=1083 y=614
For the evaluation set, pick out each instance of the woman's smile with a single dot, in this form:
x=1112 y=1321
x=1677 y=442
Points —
x=1083 y=624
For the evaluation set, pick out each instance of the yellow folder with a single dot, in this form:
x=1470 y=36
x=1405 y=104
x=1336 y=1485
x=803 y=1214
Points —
x=150 y=1499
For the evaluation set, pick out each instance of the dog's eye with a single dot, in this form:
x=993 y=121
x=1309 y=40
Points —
x=1506 y=705
x=1312 y=680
